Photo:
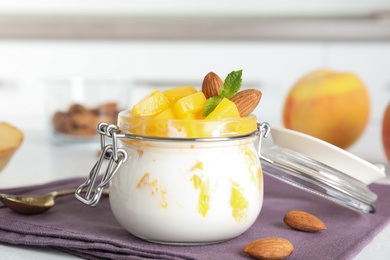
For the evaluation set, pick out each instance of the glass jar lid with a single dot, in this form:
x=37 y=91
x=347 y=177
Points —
x=318 y=167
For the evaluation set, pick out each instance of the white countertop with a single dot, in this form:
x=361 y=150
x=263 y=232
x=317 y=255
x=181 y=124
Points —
x=38 y=161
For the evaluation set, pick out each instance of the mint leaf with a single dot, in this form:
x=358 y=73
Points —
x=232 y=84
x=230 y=87
x=211 y=104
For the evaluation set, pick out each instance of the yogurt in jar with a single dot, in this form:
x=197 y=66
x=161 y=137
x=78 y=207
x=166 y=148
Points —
x=188 y=192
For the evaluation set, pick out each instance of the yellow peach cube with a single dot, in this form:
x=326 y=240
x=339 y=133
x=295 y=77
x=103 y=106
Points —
x=189 y=106
x=166 y=114
x=244 y=126
x=225 y=109
x=152 y=126
x=159 y=127
x=174 y=94
x=151 y=105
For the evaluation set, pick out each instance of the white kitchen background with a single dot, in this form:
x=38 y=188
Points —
x=148 y=42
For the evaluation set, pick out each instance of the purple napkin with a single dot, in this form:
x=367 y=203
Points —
x=93 y=233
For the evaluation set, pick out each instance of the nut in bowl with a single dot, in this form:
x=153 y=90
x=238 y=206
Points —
x=80 y=121
x=187 y=170
x=75 y=106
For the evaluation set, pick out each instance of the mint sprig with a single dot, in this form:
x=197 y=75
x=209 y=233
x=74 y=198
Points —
x=231 y=86
x=211 y=104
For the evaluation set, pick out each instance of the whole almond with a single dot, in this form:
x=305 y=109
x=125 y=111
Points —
x=246 y=101
x=269 y=248
x=303 y=221
x=211 y=85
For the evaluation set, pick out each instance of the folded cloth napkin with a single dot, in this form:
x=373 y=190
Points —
x=93 y=233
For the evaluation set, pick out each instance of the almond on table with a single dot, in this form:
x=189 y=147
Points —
x=303 y=221
x=269 y=248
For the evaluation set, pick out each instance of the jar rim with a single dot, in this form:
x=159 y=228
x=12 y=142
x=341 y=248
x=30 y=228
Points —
x=188 y=129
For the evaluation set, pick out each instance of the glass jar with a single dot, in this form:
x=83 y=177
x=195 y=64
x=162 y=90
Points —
x=200 y=189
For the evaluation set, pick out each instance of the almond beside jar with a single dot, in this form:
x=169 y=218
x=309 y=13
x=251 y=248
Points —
x=184 y=178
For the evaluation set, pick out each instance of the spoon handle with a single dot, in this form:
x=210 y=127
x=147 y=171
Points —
x=70 y=191
x=63 y=192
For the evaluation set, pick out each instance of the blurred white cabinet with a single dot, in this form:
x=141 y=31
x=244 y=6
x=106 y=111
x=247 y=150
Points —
x=288 y=8
x=272 y=67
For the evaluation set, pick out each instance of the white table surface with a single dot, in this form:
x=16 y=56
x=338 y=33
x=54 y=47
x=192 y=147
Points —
x=38 y=161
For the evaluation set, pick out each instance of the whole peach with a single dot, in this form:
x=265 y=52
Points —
x=332 y=106
x=386 y=131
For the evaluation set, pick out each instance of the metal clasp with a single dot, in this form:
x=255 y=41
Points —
x=264 y=130
x=109 y=152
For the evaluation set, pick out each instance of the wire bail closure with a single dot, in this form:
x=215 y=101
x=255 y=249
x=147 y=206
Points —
x=109 y=152
x=264 y=130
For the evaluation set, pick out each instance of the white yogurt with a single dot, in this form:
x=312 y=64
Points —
x=188 y=192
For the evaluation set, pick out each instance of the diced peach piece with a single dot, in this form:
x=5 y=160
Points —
x=159 y=127
x=151 y=105
x=166 y=114
x=244 y=126
x=225 y=109
x=174 y=94
x=189 y=106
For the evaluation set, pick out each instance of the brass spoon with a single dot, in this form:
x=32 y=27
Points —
x=29 y=205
